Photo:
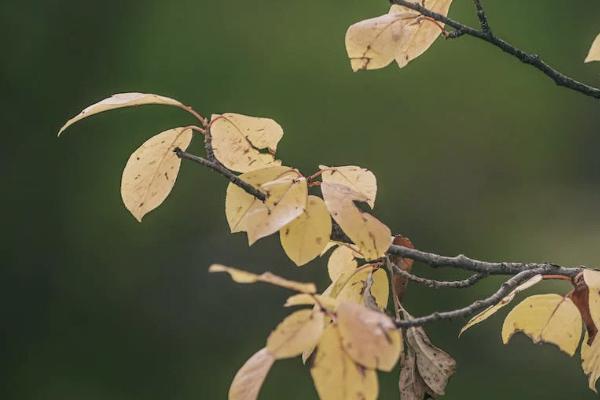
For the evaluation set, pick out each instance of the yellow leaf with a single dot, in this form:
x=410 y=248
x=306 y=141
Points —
x=240 y=276
x=305 y=238
x=121 y=100
x=238 y=202
x=548 y=318
x=336 y=375
x=592 y=280
x=402 y=35
x=369 y=337
x=594 y=54
x=359 y=179
x=308 y=300
x=350 y=286
x=488 y=312
x=237 y=141
x=342 y=259
x=371 y=236
x=249 y=379
x=300 y=331
x=151 y=171
x=590 y=361
x=286 y=201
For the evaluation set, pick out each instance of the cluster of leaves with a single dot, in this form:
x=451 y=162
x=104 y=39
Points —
x=343 y=333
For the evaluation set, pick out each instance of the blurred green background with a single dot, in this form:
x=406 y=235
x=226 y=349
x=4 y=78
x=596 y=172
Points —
x=474 y=153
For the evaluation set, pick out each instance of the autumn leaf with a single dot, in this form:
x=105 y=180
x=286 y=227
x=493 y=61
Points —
x=402 y=35
x=151 y=171
x=238 y=202
x=300 y=331
x=350 y=286
x=304 y=238
x=336 y=375
x=400 y=282
x=594 y=53
x=411 y=384
x=286 y=200
x=342 y=259
x=240 y=276
x=434 y=365
x=244 y=143
x=361 y=180
x=592 y=280
x=548 y=318
x=303 y=299
x=249 y=379
x=590 y=361
x=488 y=312
x=371 y=236
x=369 y=337
x=121 y=100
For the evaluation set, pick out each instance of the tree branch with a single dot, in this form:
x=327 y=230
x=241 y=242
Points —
x=431 y=283
x=477 y=306
x=483 y=21
x=531 y=59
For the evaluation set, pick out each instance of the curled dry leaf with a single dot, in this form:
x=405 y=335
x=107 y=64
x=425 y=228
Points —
x=400 y=282
x=402 y=35
x=121 y=100
x=488 y=312
x=151 y=171
x=244 y=143
x=361 y=180
x=434 y=365
x=580 y=296
x=238 y=202
x=303 y=299
x=594 y=53
x=304 y=238
x=590 y=361
x=411 y=384
x=336 y=375
x=547 y=318
x=371 y=236
x=240 y=276
x=341 y=260
x=297 y=333
x=249 y=379
x=369 y=337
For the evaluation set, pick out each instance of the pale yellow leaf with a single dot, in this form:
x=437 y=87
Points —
x=238 y=202
x=548 y=318
x=592 y=280
x=336 y=375
x=240 y=276
x=151 y=171
x=305 y=237
x=369 y=337
x=286 y=201
x=249 y=379
x=342 y=259
x=361 y=180
x=590 y=361
x=298 y=332
x=434 y=365
x=303 y=299
x=402 y=35
x=244 y=143
x=371 y=236
x=350 y=286
x=121 y=100
x=594 y=53
x=488 y=312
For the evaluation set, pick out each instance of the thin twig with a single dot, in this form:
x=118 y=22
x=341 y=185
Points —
x=475 y=307
x=531 y=59
x=431 y=283
x=483 y=20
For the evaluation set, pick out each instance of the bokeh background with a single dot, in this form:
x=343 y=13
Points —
x=474 y=152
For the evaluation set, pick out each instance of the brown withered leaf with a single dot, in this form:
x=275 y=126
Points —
x=434 y=365
x=400 y=282
x=581 y=298
x=411 y=384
